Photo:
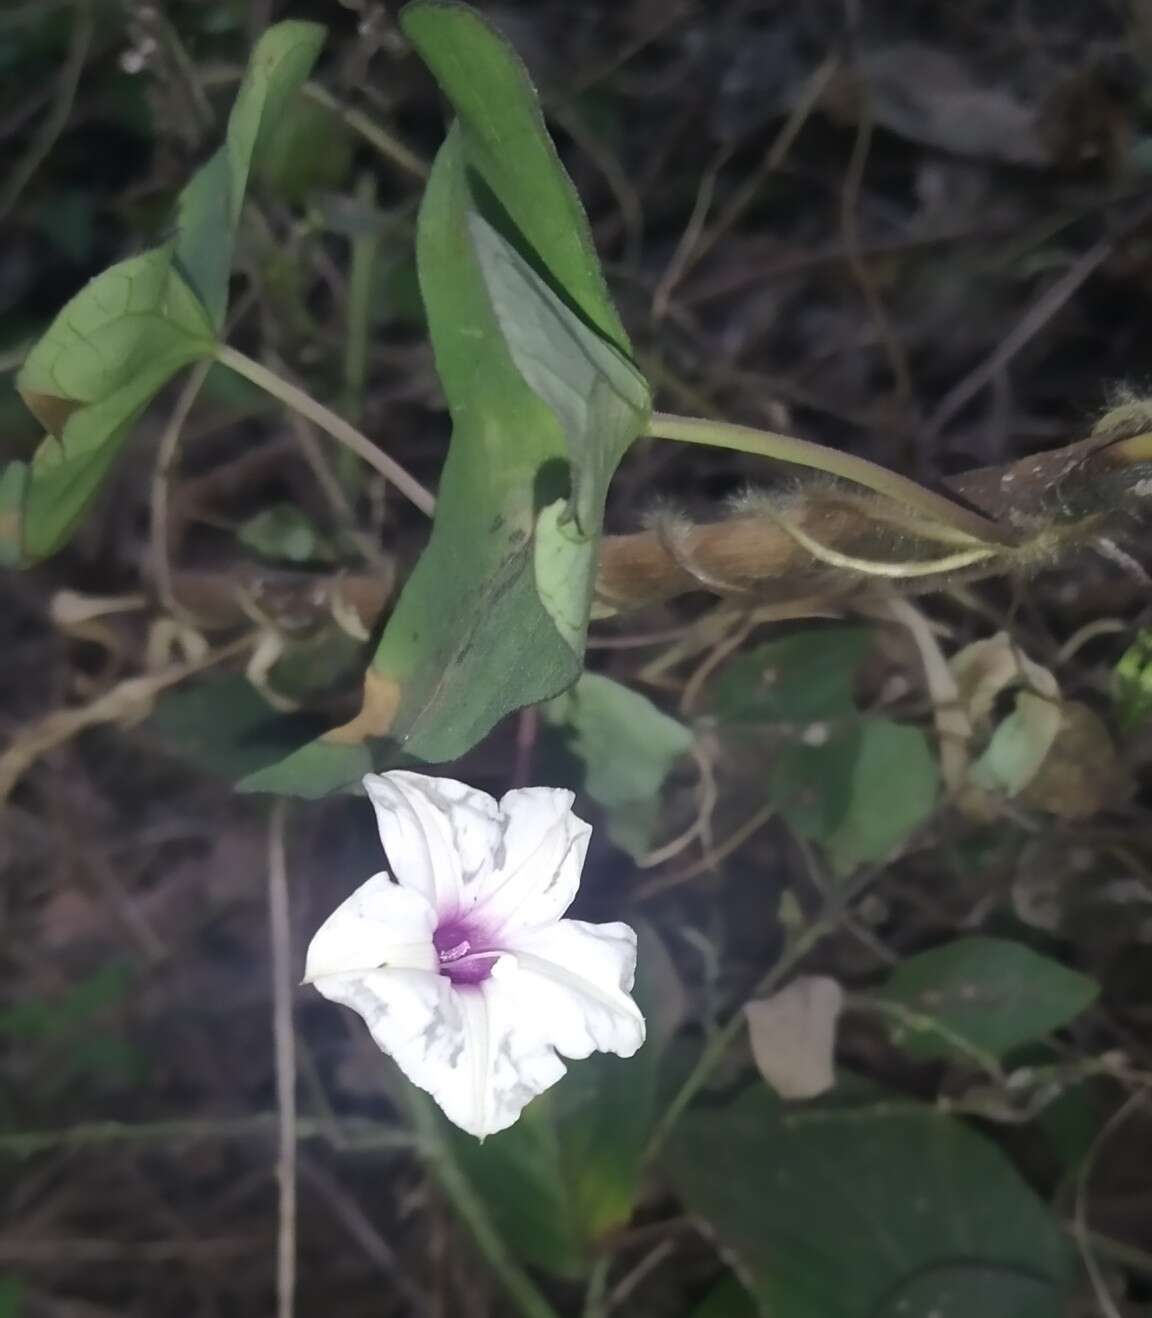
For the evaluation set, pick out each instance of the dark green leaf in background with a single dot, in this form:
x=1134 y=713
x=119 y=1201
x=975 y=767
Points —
x=841 y=1212
x=857 y=784
x=127 y=332
x=221 y=724
x=861 y=793
x=797 y=679
x=1132 y=683
x=306 y=149
x=992 y=993
x=627 y=747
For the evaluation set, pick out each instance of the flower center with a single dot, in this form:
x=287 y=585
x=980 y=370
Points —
x=463 y=957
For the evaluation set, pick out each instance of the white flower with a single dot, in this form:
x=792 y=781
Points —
x=462 y=968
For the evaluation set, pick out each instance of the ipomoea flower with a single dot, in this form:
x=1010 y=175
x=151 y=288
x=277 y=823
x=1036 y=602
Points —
x=462 y=967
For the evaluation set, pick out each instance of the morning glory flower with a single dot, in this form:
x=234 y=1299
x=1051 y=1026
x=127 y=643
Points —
x=462 y=965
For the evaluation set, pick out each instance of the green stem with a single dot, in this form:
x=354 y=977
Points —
x=920 y=1023
x=327 y=420
x=596 y=1291
x=472 y=1212
x=803 y=453
x=346 y=1134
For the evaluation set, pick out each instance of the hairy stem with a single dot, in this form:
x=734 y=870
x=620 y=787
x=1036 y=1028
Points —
x=327 y=420
x=803 y=453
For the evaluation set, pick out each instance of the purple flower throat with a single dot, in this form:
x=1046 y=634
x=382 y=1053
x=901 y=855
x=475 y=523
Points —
x=465 y=951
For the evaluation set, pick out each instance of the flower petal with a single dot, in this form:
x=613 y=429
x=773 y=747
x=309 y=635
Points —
x=538 y=871
x=571 y=984
x=380 y=924
x=439 y=833
x=507 y=1065
x=463 y=1046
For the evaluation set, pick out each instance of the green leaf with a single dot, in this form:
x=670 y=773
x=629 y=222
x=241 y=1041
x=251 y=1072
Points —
x=129 y=330
x=11 y=1294
x=222 y=725
x=842 y=1212
x=108 y=352
x=307 y=149
x=802 y=678
x=543 y=400
x=1019 y=745
x=210 y=205
x=858 y=785
x=1132 y=683
x=592 y=389
x=861 y=793
x=507 y=145
x=284 y=533
x=992 y=993
x=627 y=747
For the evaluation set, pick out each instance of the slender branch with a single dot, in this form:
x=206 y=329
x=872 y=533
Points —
x=389 y=146
x=595 y=1292
x=1079 y=1228
x=327 y=420
x=343 y=1136
x=1118 y=1251
x=280 y=936
x=161 y=488
x=124 y=700
x=803 y=453
x=924 y=1023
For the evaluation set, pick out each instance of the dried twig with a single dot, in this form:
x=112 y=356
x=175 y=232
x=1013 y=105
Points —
x=280 y=934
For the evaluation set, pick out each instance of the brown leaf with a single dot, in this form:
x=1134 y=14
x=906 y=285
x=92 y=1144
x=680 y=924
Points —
x=793 y=1036
x=1082 y=773
x=929 y=96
